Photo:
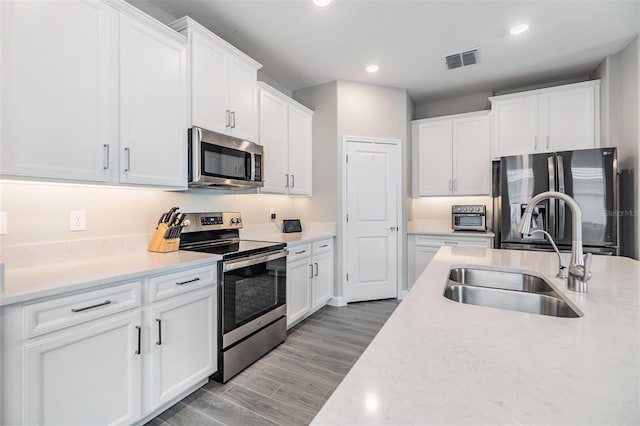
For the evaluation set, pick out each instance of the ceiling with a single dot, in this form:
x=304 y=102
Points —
x=302 y=45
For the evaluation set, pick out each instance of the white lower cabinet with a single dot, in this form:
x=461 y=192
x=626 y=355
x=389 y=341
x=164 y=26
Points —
x=105 y=356
x=309 y=279
x=182 y=343
x=88 y=374
x=423 y=247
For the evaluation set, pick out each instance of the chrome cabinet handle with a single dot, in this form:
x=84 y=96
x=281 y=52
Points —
x=293 y=181
x=287 y=178
x=316 y=266
x=300 y=252
x=128 y=168
x=547 y=142
x=233 y=119
x=535 y=143
x=451 y=243
x=188 y=282
x=324 y=245
x=106 y=302
x=106 y=156
x=455 y=184
x=310 y=271
x=449 y=184
x=159 y=342
x=228 y=118
x=139 y=339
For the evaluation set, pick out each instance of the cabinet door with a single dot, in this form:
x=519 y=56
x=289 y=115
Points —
x=88 y=374
x=243 y=80
x=153 y=106
x=273 y=136
x=471 y=156
x=298 y=289
x=568 y=119
x=422 y=257
x=515 y=126
x=209 y=91
x=182 y=343
x=322 y=278
x=300 y=155
x=58 y=85
x=435 y=158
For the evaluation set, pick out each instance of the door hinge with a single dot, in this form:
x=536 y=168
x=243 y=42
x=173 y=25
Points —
x=347 y=277
x=347 y=218
x=347 y=158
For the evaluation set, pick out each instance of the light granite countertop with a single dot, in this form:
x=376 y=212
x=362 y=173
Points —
x=295 y=238
x=30 y=283
x=436 y=361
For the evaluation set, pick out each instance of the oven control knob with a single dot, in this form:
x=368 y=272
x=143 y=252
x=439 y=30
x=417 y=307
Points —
x=464 y=209
x=234 y=220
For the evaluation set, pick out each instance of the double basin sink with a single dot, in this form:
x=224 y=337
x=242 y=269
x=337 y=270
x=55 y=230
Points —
x=502 y=289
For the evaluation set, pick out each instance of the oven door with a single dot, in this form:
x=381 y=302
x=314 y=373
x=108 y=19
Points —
x=469 y=221
x=254 y=293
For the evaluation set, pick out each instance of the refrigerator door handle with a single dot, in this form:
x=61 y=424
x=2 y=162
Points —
x=551 y=226
x=561 y=208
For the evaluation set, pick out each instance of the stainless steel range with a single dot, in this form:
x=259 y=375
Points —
x=252 y=289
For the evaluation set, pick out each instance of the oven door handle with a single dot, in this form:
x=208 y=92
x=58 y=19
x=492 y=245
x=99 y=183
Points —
x=253 y=260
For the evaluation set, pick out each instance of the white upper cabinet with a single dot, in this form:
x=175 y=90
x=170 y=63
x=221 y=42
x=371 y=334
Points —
x=223 y=83
x=452 y=155
x=286 y=132
x=153 y=105
x=545 y=120
x=59 y=93
x=92 y=91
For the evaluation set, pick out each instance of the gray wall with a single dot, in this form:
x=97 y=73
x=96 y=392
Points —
x=449 y=106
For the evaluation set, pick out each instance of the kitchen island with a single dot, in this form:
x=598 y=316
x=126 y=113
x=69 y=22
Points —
x=437 y=361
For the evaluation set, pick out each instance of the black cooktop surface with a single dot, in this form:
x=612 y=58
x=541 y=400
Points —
x=232 y=250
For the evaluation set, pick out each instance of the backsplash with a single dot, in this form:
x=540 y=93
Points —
x=39 y=212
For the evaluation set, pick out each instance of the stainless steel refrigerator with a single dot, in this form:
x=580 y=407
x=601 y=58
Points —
x=589 y=176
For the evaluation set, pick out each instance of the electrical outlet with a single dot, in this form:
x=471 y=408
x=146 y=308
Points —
x=3 y=223
x=272 y=213
x=77 y=220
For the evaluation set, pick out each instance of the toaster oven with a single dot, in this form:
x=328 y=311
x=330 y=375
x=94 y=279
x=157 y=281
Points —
x=469 y=217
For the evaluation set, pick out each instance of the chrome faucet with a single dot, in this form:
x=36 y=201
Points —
x=580 y=264
x=562 y=270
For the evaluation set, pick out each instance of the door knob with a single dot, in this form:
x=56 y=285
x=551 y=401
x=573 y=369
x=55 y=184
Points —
x=393 y=228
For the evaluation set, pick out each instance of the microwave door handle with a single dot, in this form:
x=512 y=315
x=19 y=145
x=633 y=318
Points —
x=252 y=171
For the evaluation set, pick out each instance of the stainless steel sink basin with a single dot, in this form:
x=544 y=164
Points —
x=501 y=289
x=499 y=279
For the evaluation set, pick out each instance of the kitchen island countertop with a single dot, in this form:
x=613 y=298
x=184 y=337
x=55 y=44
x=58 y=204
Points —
x=436 y=361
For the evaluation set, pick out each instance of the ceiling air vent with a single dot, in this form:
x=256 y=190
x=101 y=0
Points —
x=462 y=59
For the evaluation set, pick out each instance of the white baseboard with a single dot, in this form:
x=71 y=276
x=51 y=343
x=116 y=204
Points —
x=403 y=294
x=337 y=301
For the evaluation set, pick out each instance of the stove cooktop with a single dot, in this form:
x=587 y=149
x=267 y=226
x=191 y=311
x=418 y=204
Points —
x=232 y=250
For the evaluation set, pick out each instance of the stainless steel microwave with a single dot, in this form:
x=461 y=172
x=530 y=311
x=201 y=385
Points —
x=221 y=161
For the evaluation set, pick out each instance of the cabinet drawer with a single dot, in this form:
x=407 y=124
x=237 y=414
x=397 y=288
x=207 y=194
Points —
x=480 y=241
x=52 y=315
x=168 y=285
x=322 y=246
x=298 y=252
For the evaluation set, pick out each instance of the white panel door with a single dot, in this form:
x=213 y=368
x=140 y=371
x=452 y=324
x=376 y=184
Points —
x=300 y=146
x=273 y=136
x=59 y=89
x=568 y=119
x=86 y=375
x=322 y=278
x=373 y=194
x=434 y=158
x=153 y=106
x=515 y=126
x=243 y=80
x=472 y=156
x=209 y=90
x=182 y=343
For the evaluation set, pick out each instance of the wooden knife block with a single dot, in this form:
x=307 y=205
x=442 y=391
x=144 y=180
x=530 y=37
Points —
x=160 y=244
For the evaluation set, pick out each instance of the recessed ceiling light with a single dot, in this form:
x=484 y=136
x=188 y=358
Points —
x=372 y=68
x=321 y=3
x=519 y=29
